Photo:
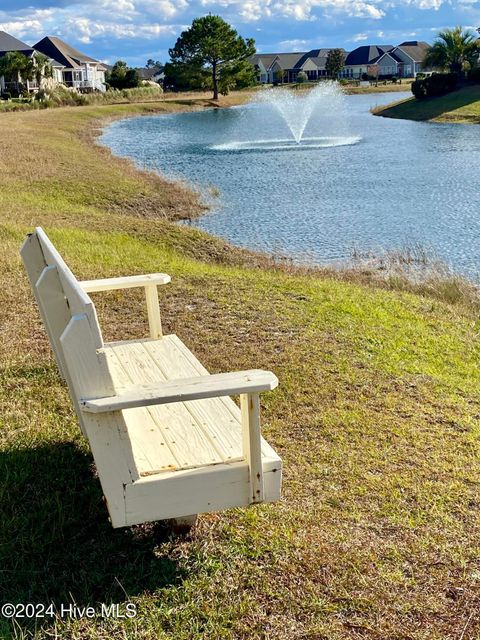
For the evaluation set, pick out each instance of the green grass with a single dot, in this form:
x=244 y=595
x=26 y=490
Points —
x=376 y=418
x=462 y=106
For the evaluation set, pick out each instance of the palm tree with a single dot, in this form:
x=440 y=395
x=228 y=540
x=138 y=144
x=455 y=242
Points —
x=42 y=68
x=454 y=50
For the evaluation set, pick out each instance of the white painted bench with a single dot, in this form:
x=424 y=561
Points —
x=167 y=440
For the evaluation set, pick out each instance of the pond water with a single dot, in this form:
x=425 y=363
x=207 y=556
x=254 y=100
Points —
x=360 y=183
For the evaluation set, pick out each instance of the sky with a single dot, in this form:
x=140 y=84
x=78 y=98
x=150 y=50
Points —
x=136 y=30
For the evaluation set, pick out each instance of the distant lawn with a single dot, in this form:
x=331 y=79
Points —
x=461 y=106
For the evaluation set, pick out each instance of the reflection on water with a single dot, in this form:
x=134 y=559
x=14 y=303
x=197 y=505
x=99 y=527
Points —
x=374 y=183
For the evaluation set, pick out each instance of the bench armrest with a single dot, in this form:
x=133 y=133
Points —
x=129 y=282
x=148 y=282
x=214 y=386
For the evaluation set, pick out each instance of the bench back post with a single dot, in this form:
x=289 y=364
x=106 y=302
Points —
x=65 y=307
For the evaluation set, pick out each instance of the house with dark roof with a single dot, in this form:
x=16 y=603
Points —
x=411 y=55
x=150 y=74
x=403 y=61
x=358 y=60
x=78 y=70
x=314 y=63
x=270 y=66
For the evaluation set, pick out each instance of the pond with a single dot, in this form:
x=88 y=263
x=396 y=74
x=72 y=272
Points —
x=371 y=184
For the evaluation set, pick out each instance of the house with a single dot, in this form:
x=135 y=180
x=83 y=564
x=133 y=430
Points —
x=269 y=65
x=411 y=55
x=262 y=63
x=314 y=63
x=358 y=60
x=403 y=61
x=151 y=74
x=9 y=44
x=76 y=69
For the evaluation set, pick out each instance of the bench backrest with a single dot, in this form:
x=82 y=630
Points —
x=70 y=320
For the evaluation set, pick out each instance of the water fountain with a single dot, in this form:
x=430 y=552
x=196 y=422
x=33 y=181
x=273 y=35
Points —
x=310 y=118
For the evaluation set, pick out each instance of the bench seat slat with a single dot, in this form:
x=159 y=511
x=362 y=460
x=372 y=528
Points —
x=187 y=438
x=223 y=425
x=139 y=429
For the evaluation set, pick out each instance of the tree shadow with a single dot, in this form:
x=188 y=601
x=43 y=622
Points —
x=56 y=543
x=430 y=108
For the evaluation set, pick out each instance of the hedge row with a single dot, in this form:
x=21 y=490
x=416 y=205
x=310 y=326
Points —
x=435 y=85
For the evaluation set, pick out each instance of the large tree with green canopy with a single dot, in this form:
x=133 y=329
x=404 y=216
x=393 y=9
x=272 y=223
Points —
x=454 y=50
x=212 y=45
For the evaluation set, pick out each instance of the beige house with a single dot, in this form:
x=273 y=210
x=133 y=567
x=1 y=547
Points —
x=74 y=69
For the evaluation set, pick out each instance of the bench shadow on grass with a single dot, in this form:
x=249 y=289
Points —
x=56 y=543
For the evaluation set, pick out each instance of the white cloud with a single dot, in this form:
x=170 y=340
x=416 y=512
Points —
x=426 y=4
x=294 y=45
x=359 y=37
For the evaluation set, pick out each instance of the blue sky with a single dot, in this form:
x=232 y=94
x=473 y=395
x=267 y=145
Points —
x=135 y=30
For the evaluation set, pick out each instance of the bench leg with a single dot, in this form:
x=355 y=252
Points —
x=252 y=443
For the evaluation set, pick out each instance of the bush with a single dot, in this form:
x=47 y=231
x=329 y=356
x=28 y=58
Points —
x=419 y=89
x=435 y=85
x=474 y=75
x=302 y=77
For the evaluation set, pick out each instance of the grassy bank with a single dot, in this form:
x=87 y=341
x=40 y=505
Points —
x=381 y=88
x=376 y=418
x=461 y=106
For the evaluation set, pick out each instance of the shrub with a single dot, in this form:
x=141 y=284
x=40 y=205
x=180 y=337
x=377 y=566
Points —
x=302 y=77
x=435 y=85
x=440 y=83
x=419 y=89
x=474 y=75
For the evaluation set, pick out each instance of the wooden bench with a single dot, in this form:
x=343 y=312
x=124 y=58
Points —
x=167 y=439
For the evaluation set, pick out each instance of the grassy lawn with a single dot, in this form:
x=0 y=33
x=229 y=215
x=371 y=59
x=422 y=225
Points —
x=377 y=418
x=461 y=106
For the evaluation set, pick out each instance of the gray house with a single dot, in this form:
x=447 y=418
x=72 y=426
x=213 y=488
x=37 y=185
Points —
x=403 y=61
x=411 y=55
x=358 y=60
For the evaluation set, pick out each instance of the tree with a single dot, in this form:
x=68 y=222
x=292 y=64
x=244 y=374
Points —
x=42 y=67
x=280 y=75
x=122 y=76
x=373 y=71
x=454 y=50
x=212 y=45
x=154 y=64
x=181 y=77
x=302 y=77
x=15 y=66
x=335 y=62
